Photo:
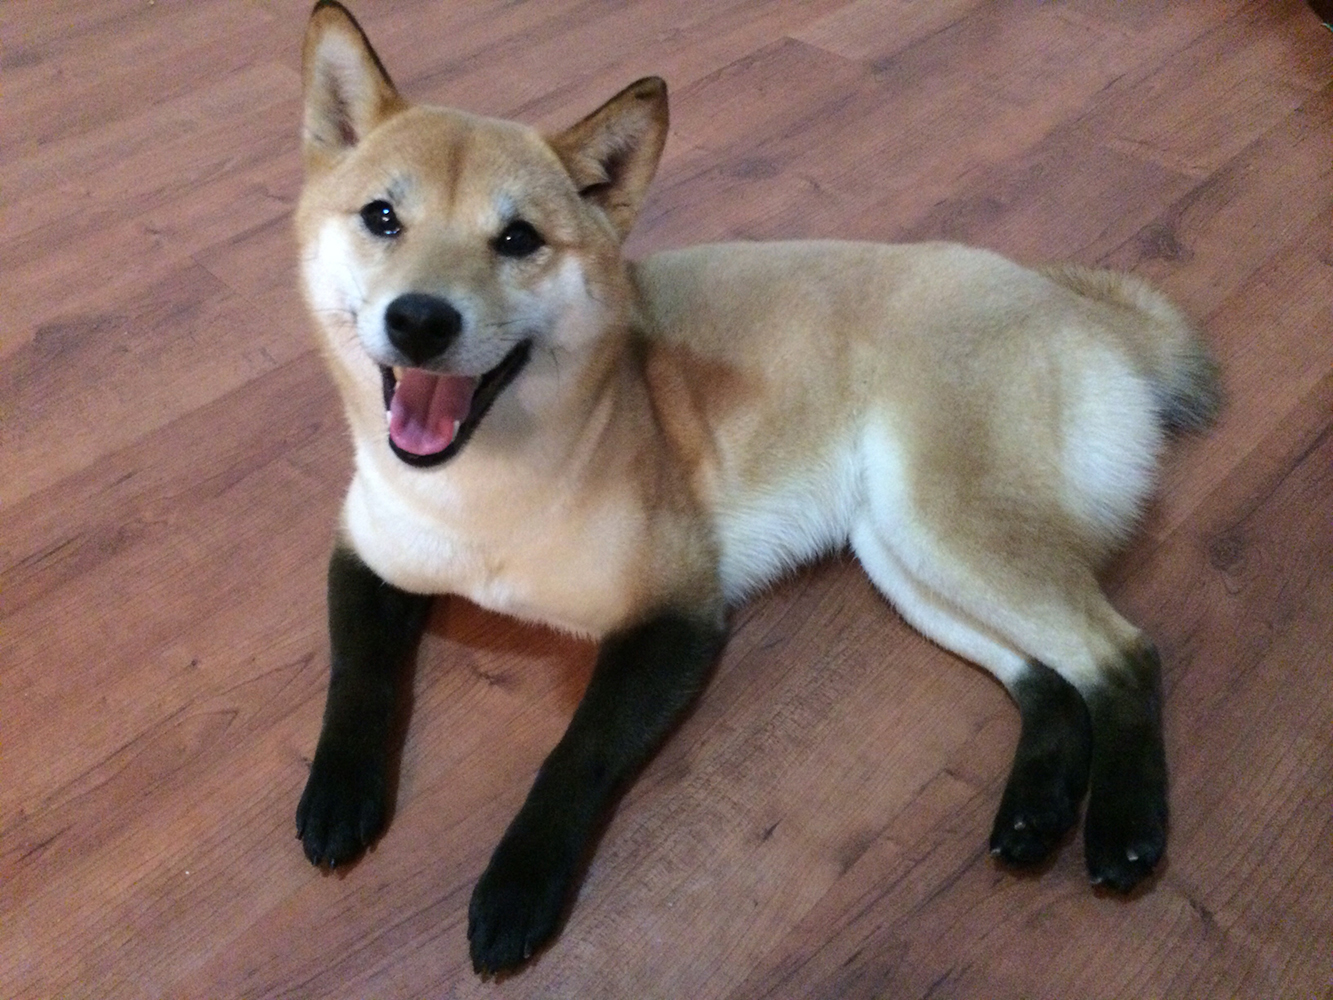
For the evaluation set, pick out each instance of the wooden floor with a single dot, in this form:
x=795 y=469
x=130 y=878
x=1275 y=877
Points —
x=172 y=457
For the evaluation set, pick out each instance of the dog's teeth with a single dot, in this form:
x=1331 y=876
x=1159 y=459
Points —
x=457 y=424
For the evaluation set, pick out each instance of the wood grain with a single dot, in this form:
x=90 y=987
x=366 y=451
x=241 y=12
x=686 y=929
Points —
x=172 y=460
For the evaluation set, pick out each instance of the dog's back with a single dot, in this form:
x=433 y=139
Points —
x=778 y=365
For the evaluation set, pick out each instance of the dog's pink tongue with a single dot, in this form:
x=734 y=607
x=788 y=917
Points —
x=426 y=409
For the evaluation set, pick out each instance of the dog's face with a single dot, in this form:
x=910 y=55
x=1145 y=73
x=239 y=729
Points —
x=453 y=248
x=442 y=252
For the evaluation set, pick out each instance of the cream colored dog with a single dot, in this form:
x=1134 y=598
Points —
x=624 y=449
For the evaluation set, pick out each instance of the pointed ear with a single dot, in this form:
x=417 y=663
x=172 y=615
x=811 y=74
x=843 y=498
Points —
x=347 y=91
x=612 y=154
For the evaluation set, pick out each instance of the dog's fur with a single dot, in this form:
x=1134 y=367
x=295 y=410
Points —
x=649 y=442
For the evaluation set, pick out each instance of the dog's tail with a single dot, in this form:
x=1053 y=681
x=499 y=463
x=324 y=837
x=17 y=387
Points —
x=1185 y=376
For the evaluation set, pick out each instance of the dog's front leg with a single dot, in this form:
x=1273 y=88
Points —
x=374 y=629
x=644 y=679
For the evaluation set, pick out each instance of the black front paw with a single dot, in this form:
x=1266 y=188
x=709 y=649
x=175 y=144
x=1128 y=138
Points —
x=518 y=902
x=343 y=807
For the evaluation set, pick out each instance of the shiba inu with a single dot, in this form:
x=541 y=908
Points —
x=625 y=449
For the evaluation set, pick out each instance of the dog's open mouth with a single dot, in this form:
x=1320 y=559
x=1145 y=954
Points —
x=431 y=415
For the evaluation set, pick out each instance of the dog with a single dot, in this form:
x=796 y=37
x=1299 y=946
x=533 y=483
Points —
x=626 y=449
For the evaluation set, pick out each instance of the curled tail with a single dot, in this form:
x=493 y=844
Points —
x=1185 y=376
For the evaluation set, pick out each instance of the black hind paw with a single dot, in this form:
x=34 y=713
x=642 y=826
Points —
x=1050 y=770
x=1031 y=823
x=1125 y=833
x=1125 y=836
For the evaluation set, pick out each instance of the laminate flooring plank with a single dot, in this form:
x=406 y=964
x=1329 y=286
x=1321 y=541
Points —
x=120 y=294
x=164 y=353
x=1248 y=699
x=574 y=53
x=1069 y=197
x=680 y=41
x=112 y=183
x=791 y=138
x=155 y=769
x=1216 y=95
x=1067 y=185
x=109 y=569
x=874 y=29
x=654 y=879
x=190 y=761
x=35 y=31
x=80 y=82
x=1252 y=207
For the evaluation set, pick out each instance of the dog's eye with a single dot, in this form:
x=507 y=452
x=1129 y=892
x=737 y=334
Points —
x=518 y=239
x=380 y=219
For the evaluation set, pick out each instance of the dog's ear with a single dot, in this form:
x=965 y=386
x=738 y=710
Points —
x=347 y=90
x=612 y=154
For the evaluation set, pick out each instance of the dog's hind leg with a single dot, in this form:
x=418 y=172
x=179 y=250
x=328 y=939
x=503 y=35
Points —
x=1017 y=595
x=1068 y=625
x=1049 y=775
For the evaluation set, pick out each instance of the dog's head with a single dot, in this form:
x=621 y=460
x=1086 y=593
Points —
x=442 y=252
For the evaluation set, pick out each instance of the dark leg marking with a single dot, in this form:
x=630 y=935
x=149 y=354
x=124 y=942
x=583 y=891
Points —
x=1049 y=776
x=374 y=629
x=1125 y=833
x=645 y=678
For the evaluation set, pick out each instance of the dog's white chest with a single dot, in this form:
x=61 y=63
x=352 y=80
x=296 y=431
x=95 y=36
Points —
x=536 y=569
x=413 y=550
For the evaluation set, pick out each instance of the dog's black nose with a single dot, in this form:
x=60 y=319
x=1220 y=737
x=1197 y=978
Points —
x=421 y=326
